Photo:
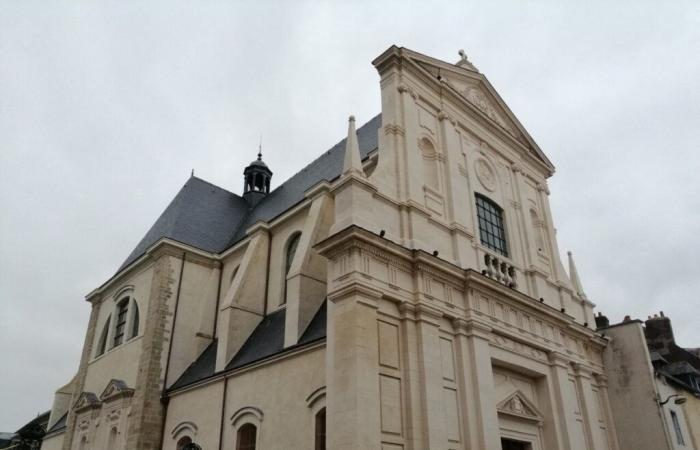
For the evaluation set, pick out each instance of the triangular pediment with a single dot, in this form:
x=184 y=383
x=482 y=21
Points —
x=473 y=88
x=518 y=405
x=86 y=400
x=115 y=388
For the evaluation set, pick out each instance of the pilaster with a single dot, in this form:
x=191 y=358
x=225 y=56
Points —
x=82 y=372
x=563 y=407
x=146 y=415
x=477 y=376
x=352 y=369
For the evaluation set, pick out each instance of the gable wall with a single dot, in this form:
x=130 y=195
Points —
x=437 y=211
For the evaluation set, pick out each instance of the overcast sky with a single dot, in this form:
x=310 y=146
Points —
x=106 y=107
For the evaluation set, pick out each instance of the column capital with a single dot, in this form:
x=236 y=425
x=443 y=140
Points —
x=472 y=328
x=428 y=313
x=559 y=360
x=582 y=371
x=368 y=296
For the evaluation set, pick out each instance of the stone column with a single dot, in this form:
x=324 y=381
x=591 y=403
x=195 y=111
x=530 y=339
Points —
x=146 y=415
x=82 y=371
x=353 y=369
x=476 y=372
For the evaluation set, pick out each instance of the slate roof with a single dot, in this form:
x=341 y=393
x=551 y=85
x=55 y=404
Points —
x=59 y=425
x=210 y=218
x=266 y=340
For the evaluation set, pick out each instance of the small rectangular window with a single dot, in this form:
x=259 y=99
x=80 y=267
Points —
x=677 y=428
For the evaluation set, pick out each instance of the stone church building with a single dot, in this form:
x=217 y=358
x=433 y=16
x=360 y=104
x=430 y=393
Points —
x=404 y=291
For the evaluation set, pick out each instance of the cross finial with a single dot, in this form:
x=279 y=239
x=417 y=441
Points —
x=192 y=173
x=260 y=149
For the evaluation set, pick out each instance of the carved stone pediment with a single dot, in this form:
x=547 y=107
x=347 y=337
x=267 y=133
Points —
x=518 y=405
x=474 y=88
x=87 y=400
x=116 y=389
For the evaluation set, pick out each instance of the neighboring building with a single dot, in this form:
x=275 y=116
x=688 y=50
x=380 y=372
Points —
x=402 y=291
x=29 y=437
x=654 y=385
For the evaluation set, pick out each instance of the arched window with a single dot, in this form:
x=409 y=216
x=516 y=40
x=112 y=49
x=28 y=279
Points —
x=491 y=227
x=320 y=436
x=120 y=322
x=246 y=436
x=134 y=321
x=292 y=245
x=102 y=344
x=185 y=443
x=112 y=441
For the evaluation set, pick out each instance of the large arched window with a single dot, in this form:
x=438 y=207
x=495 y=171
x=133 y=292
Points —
x=134 y=321
x=120 y=321
x=292 y=245
x=102 y=343
x=246 y=437
x=491 y=227
x=320 y=434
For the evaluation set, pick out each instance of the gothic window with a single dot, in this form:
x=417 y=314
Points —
x=134 y=321
x=491 y=227
x=102 y=344
x=677 y=429
x=292 y=245
x=120 y=321
x=320 y=437
x=245 y=438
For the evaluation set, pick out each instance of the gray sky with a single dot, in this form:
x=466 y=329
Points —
x=105 y=107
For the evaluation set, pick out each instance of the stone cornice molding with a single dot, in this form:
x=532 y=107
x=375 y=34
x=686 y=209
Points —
x=368 y=296
x=428 y=314
x=317 y=190
x=162 y=247
x=472 y=328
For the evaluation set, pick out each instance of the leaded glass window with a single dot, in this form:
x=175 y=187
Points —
x=491 y=228
x=119 y=329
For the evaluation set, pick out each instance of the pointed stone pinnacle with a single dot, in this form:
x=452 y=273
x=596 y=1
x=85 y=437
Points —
x=352 y=162
x=573 y=275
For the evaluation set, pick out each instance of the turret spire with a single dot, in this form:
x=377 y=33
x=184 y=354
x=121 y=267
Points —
x=573 y=275
x=353 y=161
x=256 y=179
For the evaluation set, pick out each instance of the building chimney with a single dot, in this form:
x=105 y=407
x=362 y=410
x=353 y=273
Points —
x=659 y=333
x=601 y=321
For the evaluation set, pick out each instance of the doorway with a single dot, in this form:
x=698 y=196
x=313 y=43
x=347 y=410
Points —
x=509 y=444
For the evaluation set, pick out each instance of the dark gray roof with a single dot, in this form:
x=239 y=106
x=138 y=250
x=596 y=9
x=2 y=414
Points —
x=212 y=219
x=201 y=215
x=60 y=425
x=201 y=368
x=266 y=340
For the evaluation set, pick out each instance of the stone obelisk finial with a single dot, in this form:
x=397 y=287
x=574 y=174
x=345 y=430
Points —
x=573 y=275
x=352 y=162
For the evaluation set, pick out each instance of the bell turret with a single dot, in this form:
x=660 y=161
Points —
x=257 y=180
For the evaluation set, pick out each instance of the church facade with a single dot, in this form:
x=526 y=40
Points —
x=402 y=291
